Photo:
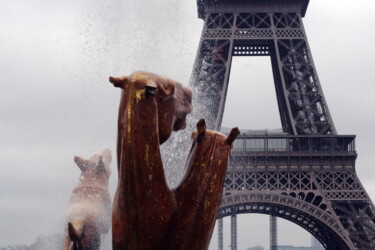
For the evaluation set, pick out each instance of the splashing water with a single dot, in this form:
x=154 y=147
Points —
x=66 y=51
x=175 y=151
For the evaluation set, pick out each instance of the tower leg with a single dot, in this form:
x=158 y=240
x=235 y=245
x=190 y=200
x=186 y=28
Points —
x=220 y=234
x=273 y=233
x=233 y=227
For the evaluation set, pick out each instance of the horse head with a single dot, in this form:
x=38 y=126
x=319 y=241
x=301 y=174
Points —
x=172 y=99
x=96 y=170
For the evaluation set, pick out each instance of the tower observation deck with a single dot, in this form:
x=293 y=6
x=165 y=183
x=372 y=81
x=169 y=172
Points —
x=238 y=6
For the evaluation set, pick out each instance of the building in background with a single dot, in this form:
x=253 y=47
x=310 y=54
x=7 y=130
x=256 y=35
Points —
x=287 y=247
x=256 y=248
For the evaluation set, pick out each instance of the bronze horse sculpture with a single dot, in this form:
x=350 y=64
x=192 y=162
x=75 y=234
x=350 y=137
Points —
x=147 y=214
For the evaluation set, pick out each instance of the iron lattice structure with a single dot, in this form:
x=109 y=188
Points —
x=281 y=36
x=305 y=174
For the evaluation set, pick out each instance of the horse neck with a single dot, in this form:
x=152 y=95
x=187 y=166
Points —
x=138 y=136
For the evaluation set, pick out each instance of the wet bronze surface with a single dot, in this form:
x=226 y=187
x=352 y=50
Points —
x=146 y=213
x=199 y=194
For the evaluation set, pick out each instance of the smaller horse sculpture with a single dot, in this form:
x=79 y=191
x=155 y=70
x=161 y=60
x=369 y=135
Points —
x=89 y=209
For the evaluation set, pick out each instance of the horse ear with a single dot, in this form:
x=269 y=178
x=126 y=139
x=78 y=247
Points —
x=201 y=130
x=232 y=136
x=107 y=156
x=118 y=81
x=72 y=232
x=81 y=163
x=201 y=127
x=165 y=89
x=100 y=168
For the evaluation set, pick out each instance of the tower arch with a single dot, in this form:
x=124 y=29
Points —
x=319 y=222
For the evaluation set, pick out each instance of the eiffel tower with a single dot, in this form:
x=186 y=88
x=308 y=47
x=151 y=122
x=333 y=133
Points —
x=305 y=174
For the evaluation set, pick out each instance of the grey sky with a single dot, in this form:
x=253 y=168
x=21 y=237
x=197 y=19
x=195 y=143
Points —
x=56 y=102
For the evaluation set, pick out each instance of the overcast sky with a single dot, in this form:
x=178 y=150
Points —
x=56 y=102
